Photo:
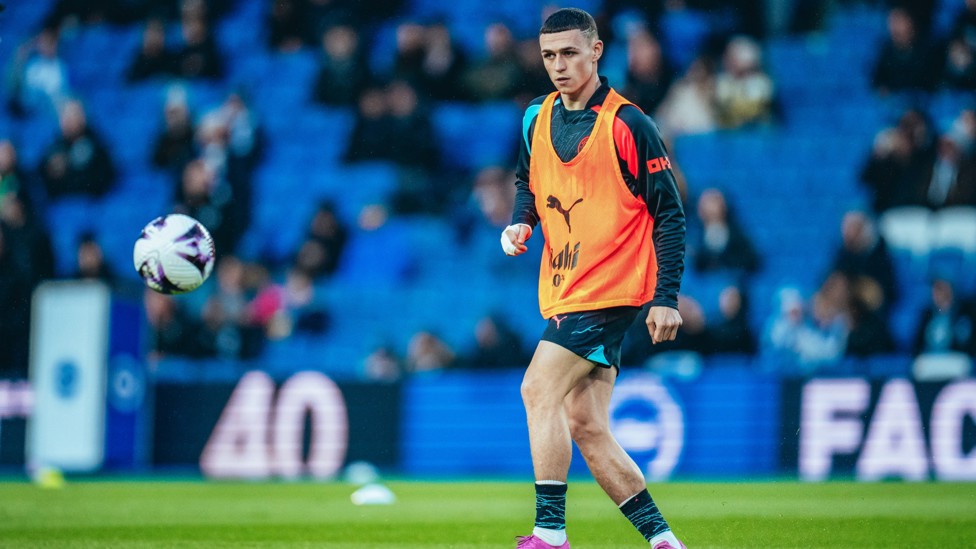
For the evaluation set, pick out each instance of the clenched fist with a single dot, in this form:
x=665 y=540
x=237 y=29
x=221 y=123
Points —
x=514 y=237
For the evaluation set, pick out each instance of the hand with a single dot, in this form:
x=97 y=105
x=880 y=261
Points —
x=663 y=324
x=514 y=237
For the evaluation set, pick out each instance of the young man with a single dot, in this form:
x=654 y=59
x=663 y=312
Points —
x=595 y=175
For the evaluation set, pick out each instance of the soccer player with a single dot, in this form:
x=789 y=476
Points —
x=594 y=173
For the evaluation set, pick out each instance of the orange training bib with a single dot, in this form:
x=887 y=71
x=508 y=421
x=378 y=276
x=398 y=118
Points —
x=599 y=251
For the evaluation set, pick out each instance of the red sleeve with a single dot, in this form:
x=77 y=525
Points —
x=626 y=147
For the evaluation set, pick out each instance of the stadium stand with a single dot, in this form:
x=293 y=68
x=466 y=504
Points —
x=790 y=181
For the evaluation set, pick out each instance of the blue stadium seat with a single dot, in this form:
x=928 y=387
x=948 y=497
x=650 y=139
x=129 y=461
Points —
x=67 y=218
x=889 y=366
x=32 y=139
x=381 y=257
x=489 y=133
x=685 y=31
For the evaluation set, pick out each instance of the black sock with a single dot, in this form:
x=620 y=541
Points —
x=550 y=506
x=642 y=512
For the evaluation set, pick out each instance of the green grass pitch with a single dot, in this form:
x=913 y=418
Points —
x=463 y=515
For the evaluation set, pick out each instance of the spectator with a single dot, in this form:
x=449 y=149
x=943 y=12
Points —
x=172 y=331
x=383 y=365
x=174 y=146
x=783 y=330
x=292 y=308
x=412 y=143
x=39 y=76
x=343 y=71
x=228 y=142
x=743 y=92
x=286 y=25
x=497 y=76
x=906 y=60
x=27 y=240
x=370 y=135
x=428 y=353
x=153 y=58
x=244 y=137
x=732 y=333
x=497 y=345
x=77 y=162
x=959 y=70
x=91 y=264
x=321 y=253
x=953 y=174
x=306 y=311
x=649 y=75
x=948 y=324
x=870 y=334
x=15 y=290
x=963 y=128
x=198 y=198
x=198 y=57
x=922 y=13
x=864 y=259
x=895 y=171
x=317 y=15
x=413 y=147
x=13 y=179
x=720 y=244
x=225 y=314
x=411 y=43
x=444 y=65
x=803 y=343
x=689 y=107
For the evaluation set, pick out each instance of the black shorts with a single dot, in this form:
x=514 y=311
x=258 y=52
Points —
x=594 y=335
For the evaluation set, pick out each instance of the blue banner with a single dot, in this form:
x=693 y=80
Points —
x=724 y=423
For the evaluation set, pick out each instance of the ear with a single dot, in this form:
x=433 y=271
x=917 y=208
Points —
x=597 y=50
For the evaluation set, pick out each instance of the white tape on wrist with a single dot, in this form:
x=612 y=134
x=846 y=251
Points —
x=510 y=242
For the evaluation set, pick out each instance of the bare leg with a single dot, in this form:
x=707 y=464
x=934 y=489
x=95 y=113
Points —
x=553 y=372
x=588 y=409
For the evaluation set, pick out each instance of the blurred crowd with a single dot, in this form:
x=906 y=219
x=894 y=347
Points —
x=723 y=85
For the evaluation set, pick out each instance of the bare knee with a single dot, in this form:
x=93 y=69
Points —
x=537 y=394
x=585 y=429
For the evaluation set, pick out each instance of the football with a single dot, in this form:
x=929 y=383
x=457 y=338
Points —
x=174 y=255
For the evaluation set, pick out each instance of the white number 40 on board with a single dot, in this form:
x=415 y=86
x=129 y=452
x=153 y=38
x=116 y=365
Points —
x=259 y=436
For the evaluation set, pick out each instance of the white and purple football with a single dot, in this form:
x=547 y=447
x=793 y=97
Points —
x=174 y=255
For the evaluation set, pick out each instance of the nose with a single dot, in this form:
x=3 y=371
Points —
x=560 y=63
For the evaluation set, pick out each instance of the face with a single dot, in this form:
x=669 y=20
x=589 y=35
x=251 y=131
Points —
x=8 y=156
x=72 y=120
x=852 y=229
x=942 y=294
x=730 y=302
x=340 y=42
x=570 y=59
x=89 y=257
x=711 y=207
x=901 y=27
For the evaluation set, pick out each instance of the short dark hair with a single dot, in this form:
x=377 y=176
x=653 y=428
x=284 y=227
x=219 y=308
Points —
x=570 y=19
